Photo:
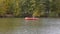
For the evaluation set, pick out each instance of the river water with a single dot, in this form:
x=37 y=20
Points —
x=22 y=26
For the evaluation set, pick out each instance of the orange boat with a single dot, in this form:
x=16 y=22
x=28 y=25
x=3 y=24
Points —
x=31 y=18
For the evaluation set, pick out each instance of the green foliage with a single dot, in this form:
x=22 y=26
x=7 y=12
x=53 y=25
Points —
x=30 y=7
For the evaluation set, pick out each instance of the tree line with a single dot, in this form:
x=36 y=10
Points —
x=24 y=8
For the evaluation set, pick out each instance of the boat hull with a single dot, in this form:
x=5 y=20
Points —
x=31 y=18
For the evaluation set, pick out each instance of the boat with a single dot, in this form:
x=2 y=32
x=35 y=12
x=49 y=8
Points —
x=31 y=18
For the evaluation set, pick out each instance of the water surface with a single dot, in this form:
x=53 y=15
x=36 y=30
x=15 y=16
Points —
x=21 y=26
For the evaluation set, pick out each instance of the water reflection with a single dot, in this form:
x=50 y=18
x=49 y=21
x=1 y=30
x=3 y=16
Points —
x=5 y=25
x=33 y=23
x=12 y=25
x=21 y=26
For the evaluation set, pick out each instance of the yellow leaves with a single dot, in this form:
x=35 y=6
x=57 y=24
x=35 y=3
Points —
x=3 y=8
x=17 y=8
x=36 y=12
x=50 y=0
x=1 y=1
x=32 y=1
